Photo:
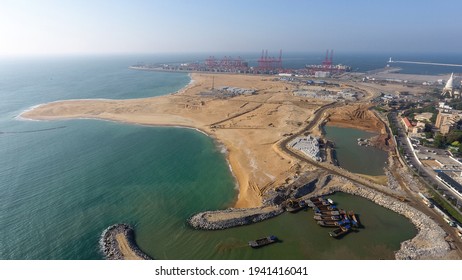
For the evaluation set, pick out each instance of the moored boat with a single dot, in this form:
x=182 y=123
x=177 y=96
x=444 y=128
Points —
x=315 y=199
x=354 y=219
x=329 y=223
x=321 y=213
x=327 y=207
x=340 y=231
x=295 y=206
x=321 y=203
x=327 y=218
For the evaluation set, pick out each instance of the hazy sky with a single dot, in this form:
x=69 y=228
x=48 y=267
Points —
x=137 y=26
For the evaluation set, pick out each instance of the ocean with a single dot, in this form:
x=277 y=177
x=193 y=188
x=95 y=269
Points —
x=63 y=182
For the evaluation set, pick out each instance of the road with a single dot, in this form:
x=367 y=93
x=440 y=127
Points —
x=412 y=196
x=426 y=174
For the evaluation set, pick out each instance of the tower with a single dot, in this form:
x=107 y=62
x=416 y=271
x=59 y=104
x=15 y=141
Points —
x=449 y=87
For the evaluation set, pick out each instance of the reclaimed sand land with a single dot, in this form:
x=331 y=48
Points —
x=248 y=125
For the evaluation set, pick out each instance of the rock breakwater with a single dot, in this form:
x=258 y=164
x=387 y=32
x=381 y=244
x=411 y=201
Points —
x=112 y=248
x=222 y=219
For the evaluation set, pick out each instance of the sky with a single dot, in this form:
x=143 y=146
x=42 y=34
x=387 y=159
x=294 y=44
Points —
x=48 y=27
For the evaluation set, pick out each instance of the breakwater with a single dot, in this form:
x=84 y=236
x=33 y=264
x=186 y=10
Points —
x=232 y=217
x=429 y=243
x=113 y=250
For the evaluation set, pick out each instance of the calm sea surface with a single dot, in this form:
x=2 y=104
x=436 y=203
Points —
x=63 y=182
x=353 y=157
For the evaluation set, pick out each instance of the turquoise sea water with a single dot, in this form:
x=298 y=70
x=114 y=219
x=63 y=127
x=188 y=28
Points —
x=63 y=182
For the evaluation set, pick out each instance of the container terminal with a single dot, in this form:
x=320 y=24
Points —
x=266 y=64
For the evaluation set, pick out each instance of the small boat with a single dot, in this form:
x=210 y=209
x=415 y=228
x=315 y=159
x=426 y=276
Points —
x=315 y=199
x=330 y=201
x=295 y=206
x=329 y=223
x=309 y=203
x=327 y=218
x=354 y=220
x=327 y=207
x=320 y=203
x=340 y=231
x=332 y=213
x=263 y=241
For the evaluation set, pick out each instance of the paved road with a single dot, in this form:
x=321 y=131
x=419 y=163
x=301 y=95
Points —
x=426 y=174
x=416 y=202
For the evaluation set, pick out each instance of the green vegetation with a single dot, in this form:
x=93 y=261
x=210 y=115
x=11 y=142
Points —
x=440 y=141
x=436 y=93
x=453 y=139
x=413 y=111
x=446 y=205
x=393 y=128
x=379 y=109
x=456 y=104
x=433 y=118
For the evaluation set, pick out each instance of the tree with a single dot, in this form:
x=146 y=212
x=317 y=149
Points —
x=433 y=118
x=440 y=141
x=454 y=135
x=428 y=127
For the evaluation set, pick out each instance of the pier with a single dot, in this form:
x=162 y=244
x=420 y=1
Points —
x=118 y=243
x=424 y=63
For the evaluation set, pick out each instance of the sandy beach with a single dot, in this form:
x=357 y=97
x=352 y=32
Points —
x=249 y=126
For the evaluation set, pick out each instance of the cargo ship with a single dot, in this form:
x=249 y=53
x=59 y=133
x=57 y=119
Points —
x=327 y=68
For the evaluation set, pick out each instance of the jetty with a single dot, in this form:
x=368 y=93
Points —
x=233 y=217
x=118 y=243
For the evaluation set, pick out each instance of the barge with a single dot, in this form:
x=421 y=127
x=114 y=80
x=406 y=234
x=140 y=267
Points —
x=327 y=218
x=263 y=241
x=337 y=233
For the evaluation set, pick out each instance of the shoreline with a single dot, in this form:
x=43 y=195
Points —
x=250 y=165
x=249 y=193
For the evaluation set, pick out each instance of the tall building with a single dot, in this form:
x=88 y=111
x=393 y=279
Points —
x=447 y=120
